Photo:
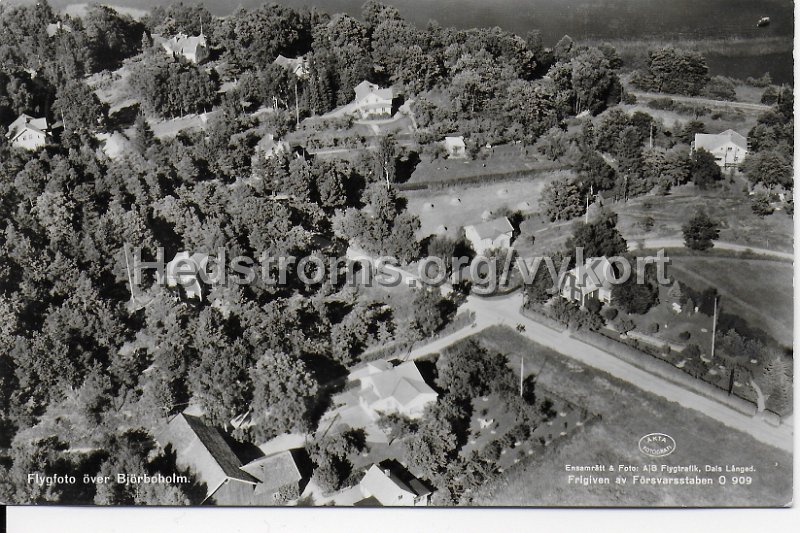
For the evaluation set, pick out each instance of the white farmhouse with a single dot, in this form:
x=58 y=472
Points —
x=495 y=233
x=28 y=133
x=590 y=281
x=373 y=102
x=729 y=148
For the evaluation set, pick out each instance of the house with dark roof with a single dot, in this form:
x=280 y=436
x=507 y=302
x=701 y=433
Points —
x=495 y=233
x=729 y=148
x=202 y=449
x=390 y=484
x=28 y=133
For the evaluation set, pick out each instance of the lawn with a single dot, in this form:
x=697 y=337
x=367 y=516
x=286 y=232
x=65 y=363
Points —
x=716 y=120
x=447 y=210
x=500 y=159
x=492 y=420
x=672 y=324
x=629 y=413
x=727 y=205
x=757 y=291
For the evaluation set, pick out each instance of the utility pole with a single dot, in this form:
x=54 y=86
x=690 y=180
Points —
x=521 y=370
x=296 y=103
x=626 y=188
x=651 y=135
x=586 y=215
x=714 y=328
x=128 y=269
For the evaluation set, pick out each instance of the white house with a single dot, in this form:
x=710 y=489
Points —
x=372 y=102
x=495 y=233
x=193 y=48
x=296 y=65
x=270 y=147
x=399 y=389
x=455 y=146
x=28 y=133
x=390 y=484
x=729 y=148
x=184 y=270
x=589 y=281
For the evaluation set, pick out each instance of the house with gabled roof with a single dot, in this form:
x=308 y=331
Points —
x=28 y=133
x=373 y=102
x=399 y=389
x=296 y=65
x=729 y=148
x=390 y=484
x=202 y=450
x=590 y=281
x=278 y=476
x=193 y=48
x=270 y=147
x=495 y=233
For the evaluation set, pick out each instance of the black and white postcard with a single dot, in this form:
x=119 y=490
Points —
x=486 y=253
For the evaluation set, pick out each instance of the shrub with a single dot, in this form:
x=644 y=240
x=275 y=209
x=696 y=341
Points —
x=760 y=204
x=692 y=351
x=491 y=452
x=625 y=325
x=610 y=313
x=684 y=335
x=662 y=104
x=721 y=88
x=652 y=328
x=594 y=306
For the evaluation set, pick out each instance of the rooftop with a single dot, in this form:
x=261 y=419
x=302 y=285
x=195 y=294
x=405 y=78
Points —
x=491 y=229
x=366 y=88
x=274 y=471
x=204 y=449
x=712 y=141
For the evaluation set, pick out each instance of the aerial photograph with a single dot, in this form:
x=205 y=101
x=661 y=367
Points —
x=482 y=253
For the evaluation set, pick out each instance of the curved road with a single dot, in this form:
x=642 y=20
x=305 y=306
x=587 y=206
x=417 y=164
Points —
x=505 y=311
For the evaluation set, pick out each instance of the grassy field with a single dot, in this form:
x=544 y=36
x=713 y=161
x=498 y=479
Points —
x=499 y=159
x=728 y=205
x=715 y=121
x=455 y=207
x=755 y=290
x=627 y=414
